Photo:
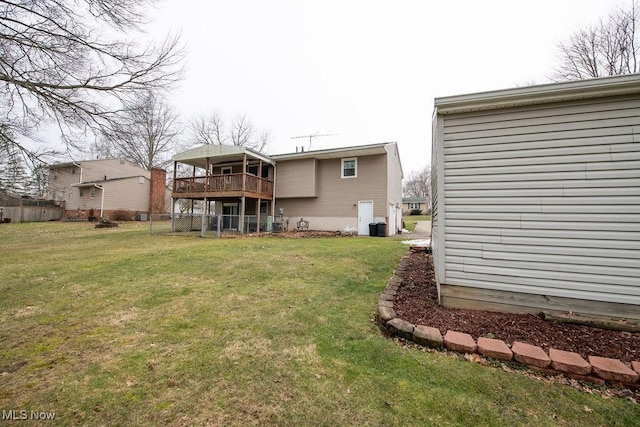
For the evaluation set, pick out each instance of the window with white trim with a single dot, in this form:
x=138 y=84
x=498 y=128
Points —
x=349 y=168
x=414 y=205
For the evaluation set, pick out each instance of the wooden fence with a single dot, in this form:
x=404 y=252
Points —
x=31 y=213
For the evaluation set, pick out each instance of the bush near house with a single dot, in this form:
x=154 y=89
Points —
x=415 y=212
x=121 y=215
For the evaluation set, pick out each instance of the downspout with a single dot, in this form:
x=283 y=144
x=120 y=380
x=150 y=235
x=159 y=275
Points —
x=80 y=182
x=273 y=197
x=102 y=201
x=80 y=166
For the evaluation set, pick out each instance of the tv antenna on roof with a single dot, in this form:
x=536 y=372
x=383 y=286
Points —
x=315 y=135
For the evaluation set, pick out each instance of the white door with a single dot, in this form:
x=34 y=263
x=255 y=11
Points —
x=391 y=227
x=230 y=216
x=365 y=217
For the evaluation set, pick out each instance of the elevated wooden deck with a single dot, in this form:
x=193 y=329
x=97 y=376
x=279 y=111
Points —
x=223 y=186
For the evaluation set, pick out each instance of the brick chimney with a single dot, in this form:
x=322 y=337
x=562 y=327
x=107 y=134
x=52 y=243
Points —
x=157 y=202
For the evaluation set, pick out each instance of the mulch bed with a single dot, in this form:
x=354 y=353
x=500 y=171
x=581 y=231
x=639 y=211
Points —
x=294 y=234
x=416 y=302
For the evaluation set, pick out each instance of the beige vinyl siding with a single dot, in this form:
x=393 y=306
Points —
x=127 y=194
x=296 y=178
x=541 y=200
x=126 y=188
x=336 y=196
x=60 y=181
x=394 y=175
x=96 y=170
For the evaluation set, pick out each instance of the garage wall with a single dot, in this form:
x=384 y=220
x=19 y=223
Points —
x=541 y=201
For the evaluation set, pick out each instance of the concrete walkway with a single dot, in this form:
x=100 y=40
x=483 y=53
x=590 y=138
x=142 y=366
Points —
x=422 y=231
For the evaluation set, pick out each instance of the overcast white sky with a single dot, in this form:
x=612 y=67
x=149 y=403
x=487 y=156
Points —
x=367 y=70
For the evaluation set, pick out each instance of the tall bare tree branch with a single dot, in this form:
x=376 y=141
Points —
x=59 y=65
x=211 y=128
x=606 y=49
x=146 y=133
x=208 y=129
x=418 y=184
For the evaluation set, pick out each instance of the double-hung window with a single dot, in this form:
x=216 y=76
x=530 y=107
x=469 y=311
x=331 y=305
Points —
x=349 y=168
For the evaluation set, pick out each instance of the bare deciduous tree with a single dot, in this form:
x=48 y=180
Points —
x=418 y=184
x=208 y=129
x=60 y=63
x=606 y=49
x=211 y=128
x=145 y=133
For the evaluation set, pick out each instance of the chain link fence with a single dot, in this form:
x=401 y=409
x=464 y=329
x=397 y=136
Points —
x=194 y=224
x=205 y=225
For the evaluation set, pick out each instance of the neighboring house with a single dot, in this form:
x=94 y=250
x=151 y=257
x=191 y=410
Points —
x=537 y=198
x=330 y=189
x=412 y=203
x=108 y=188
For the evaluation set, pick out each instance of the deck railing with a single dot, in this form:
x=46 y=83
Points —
x=228 y=183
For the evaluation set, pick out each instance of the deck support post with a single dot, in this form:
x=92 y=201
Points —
x=258 y=215
x=203 y=219
x=242 y=208
x=173 y=210
x=175 y=175
x=244 y=172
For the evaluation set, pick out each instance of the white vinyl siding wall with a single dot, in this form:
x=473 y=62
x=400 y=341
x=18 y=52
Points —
x=541 y=200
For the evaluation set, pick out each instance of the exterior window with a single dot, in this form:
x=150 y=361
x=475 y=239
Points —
x=81 y=191
x=92 y=193
x=414 y=205
x=349 y=168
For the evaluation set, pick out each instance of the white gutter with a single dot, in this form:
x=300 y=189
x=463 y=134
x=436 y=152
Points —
x=273 y=203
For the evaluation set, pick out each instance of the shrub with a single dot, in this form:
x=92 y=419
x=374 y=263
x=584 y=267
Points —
x=121 y=216
x=415 y=212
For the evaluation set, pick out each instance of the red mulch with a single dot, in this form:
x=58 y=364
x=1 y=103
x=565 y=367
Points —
x=416 y=302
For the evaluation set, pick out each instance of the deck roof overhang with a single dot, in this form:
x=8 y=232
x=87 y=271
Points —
x=218 y=154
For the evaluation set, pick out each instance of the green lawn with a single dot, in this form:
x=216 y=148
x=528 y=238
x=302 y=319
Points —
x=411 y=220
x=118 y=327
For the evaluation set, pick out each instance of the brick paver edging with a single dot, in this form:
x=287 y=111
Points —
x=597 y=370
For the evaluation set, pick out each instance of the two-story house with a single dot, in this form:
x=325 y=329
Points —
x=101 y=188
x=332 y=189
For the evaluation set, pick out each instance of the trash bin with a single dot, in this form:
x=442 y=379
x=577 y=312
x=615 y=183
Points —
x=382 y=229
x=373 y=229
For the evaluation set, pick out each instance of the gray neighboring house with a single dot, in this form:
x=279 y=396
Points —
x=536 y=198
